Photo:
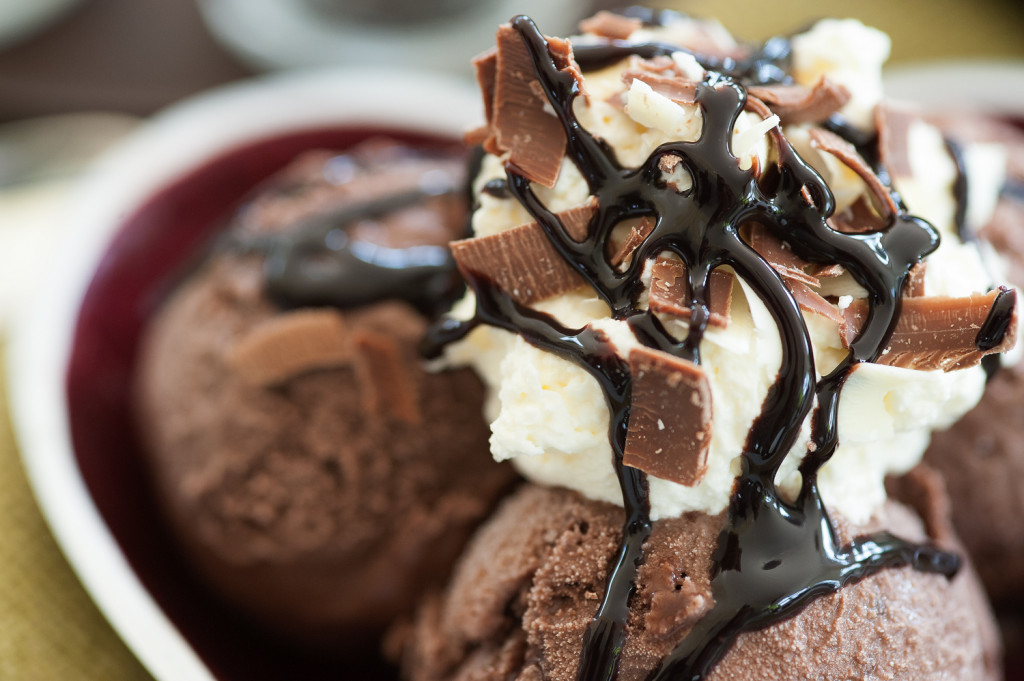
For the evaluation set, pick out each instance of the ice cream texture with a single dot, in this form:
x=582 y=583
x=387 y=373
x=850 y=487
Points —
x=315 y=476
x=721 y=280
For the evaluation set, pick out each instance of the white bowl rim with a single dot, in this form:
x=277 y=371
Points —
x=183 y=137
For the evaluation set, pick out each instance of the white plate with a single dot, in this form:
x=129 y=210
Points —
x=160 y=153
x=21 y=18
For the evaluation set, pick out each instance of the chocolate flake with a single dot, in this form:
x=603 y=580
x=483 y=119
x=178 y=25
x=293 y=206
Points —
x=291 y=344
x=893 y=139
x=385 y=377
x=782 y=259
x=668 y=292
x=533 y=138
x=522 y=262
x=671 y=444
x=810 y=301
x=677 y=88
x=636 y=236
x=939 y=332
x=832 y=143
x=858 y=218
x=796 y=104
x=914 y=288
x=610 y=25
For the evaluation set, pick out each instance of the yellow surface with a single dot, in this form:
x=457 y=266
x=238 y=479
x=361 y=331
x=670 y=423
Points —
x=921 y=30
x=49 y=628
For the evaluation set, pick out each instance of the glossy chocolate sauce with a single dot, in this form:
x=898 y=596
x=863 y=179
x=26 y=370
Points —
x=315 y=262
x=773 y=556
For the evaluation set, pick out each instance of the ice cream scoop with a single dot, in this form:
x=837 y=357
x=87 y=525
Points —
x=317 y=478
x=695 y=289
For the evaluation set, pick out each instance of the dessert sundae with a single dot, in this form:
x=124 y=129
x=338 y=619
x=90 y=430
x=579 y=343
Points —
x=717 y=294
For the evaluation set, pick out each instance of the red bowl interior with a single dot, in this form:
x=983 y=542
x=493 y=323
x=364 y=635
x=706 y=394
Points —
x=149 y=250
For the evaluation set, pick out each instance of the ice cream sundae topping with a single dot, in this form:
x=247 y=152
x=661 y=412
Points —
x=723 y=204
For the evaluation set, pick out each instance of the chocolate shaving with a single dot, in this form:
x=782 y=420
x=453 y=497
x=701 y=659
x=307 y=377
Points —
x=521 y=261
x=668 y=292
x=385 y=379
x=636 y=236
x=858 y=218
x=796 y=104
x=520 y=123
x=938 y=332
x=893 y=125
x=782 y=259
x=610 y=25
x=291 y=344
x=810 y=301
x=576 y=220
x=677 y=88
x=669 y=430
x=914 y=288
x=832 y=143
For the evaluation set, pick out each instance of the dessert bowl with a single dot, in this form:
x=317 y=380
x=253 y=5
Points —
x=140 y=216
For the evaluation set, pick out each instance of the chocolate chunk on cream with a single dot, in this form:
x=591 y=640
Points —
x=939 y=332
x=517 y=113
x=668 y=292
x=798 y=104
x=668 y=443
x=522 y=261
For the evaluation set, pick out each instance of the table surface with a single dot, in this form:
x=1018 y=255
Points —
x=136 y=56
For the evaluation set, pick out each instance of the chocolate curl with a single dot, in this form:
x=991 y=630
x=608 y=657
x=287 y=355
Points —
x=893 y=124
x=669 y=430
x=385 y=378
x=783 y=260
x=677 y=88
x=914 y=288
x=521 y=261
x=515 y=106
x=940 y=332
x=291 y=344
x=668 y=292
x=636 y=236
x=810 y=301
x=798 y=104
x=610 y=25
x=833 y=144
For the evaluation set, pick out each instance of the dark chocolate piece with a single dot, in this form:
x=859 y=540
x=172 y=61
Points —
x=668 y=443
x=939 y=332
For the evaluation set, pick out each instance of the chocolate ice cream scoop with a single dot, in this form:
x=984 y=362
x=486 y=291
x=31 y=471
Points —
x=316 y=475
x=532 y=580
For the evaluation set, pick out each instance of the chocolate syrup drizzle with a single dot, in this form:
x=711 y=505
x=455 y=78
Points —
x=315 y=262
x=774 y=556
